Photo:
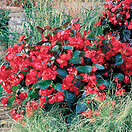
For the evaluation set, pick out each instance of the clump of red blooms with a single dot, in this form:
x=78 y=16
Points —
x=102 y=107
x=118 y=12
x=118 y=16
x=64 y=62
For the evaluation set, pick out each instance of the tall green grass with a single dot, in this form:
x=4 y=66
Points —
x=4 y=38
x=55 y=13
x=4 y=18
x=120 y=120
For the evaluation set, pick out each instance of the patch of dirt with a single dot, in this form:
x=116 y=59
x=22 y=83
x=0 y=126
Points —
x=5 y=123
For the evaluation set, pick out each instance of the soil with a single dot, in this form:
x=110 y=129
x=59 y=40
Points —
x=4 y=118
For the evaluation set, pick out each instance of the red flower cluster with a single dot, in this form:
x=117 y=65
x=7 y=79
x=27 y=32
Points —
x=118 y=19
x=56 y=97
x=120 y=92
x=65 y=61
x=124 y=49
x=23 y=95
x=89 y=114
x=4 y=101
x=118 y=12
x=70 y=80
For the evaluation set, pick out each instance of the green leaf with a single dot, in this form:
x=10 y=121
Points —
x=59 y=43
x=9 y=68
x=72 y=118
x=56 y=48
x=119 y=15
x=37 y=83
x=106 y=48
x=98 y=75
x=118 y=59
x=79 y=77
x=88 y=47
x=99 y=67
x=82 y=54
x=52 y=58
x=126 y=35
x=90 y=96
x=10 y=101
x=79 y=84
x=59 y=87
x=81 y=106
x=90 y=36
x=61 y=72
x=76 y=53
x=119 y=76
x=18 y=72
x=55 y=30
x=70 y=97
x=1 y=90
x=30 y=91
x=84 y=69
x=34 y=95
x=19 y=54
x=75 y=60
x=50 y=63
x=44 y=43
x=53 y=85
x=102 y=81
x=45 y=84
x=25 y=100
x=14 y=88
x=68 y=47
x=104 y=41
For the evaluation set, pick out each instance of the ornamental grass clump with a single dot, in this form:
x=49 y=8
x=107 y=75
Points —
x=116 y=117
x=4 y=18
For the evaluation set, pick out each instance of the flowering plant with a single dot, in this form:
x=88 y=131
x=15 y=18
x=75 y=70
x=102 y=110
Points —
x=65 y=66
x=118 y=17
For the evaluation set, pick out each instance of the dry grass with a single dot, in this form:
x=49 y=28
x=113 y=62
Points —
x=75 y=7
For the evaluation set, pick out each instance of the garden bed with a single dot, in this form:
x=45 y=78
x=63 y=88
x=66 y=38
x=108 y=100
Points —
x=66 y=73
